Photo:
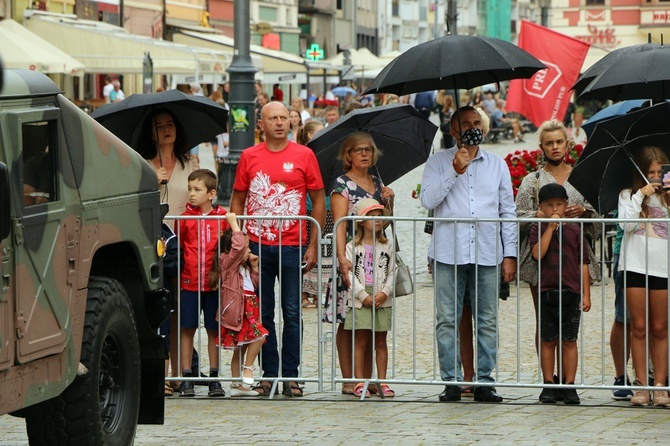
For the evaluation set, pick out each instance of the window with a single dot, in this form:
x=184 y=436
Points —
x=39 y=166
x=267 y=14
x=595 y=2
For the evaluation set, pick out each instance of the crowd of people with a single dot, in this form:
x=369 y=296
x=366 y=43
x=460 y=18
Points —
x=229 y=273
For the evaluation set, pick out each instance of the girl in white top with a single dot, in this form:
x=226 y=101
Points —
x=644 y=259
x=371 y=293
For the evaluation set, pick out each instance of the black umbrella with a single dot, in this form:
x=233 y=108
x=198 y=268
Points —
x=610 y=58
x=607 y=164
x=454 y=61
x=200 y=118
x=403 y=136
x=642 y=75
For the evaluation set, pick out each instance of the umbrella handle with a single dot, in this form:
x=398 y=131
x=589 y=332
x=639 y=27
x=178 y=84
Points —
x=635 y=164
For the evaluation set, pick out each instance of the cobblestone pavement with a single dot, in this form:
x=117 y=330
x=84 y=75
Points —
x=415 y=416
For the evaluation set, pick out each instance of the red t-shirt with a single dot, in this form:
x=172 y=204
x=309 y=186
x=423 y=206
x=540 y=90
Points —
x=277 y=184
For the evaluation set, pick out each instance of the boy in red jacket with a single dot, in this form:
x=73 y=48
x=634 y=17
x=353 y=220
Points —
x=198 y=240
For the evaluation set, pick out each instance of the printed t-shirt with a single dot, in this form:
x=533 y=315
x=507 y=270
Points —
x=277 y=184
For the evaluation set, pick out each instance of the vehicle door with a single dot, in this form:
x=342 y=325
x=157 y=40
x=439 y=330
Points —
x=45 y=235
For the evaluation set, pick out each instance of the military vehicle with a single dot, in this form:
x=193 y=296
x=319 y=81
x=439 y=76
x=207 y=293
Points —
x=80 y=269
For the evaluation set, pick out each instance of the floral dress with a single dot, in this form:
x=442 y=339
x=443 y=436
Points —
x=527 y=206
x=350 y=190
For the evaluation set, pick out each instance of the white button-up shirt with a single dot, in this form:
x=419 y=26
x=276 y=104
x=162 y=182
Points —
x=483 y=191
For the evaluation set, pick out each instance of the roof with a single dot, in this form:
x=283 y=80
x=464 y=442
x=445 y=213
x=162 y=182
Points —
x=30 y=51
x=21 y=83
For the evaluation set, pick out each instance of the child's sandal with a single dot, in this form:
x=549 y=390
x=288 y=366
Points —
x=387 y=391
x=358 y=390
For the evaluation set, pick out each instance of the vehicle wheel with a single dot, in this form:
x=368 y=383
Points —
x=102 y=406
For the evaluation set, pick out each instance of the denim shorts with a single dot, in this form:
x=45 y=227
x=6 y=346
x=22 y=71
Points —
x=209 y=304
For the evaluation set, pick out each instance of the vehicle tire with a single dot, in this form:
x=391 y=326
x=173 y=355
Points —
x=100 y=407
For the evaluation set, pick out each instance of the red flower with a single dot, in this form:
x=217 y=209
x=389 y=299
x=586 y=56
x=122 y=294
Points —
x=521 y=163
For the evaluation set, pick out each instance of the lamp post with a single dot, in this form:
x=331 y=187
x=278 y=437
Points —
x=544 y=12
x=242 y=116
x=452 y=16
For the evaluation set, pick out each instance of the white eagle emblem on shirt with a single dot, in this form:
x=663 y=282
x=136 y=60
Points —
x=288 y=167
x=266 y=198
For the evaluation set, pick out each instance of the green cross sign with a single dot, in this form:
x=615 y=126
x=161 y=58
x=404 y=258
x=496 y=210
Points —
x=314 y=52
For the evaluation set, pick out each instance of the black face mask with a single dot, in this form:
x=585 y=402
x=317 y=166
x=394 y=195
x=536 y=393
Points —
x=472 y=137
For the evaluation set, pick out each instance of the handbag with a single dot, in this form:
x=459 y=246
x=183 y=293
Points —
x=403 y=278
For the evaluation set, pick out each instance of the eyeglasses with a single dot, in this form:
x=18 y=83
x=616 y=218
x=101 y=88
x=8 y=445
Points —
x=359 y=150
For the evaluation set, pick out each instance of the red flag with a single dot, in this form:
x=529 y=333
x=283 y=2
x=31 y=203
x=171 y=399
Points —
x=546 y=95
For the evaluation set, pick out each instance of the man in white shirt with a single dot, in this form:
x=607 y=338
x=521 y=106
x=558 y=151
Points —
x=116 y=95
x=469 y=183
x=107 y=89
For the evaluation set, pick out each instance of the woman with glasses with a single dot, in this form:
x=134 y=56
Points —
x=358 y=154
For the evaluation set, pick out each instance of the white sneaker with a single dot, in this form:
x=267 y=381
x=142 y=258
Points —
x=238 y=390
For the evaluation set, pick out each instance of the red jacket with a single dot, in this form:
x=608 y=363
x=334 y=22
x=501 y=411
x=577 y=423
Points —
x=198 y=240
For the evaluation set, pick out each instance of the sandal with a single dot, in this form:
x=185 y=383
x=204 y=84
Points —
x=358 y=390
x=348 y=388
x=387 y=391
x=292 y=389
x=263 y=388
x=168 y=389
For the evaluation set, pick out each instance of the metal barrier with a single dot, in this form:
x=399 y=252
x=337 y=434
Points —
x=412 y=346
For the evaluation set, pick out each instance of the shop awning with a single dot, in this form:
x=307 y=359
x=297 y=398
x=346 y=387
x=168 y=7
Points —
x=104 y=48
x=25 y=49
x=278 y=66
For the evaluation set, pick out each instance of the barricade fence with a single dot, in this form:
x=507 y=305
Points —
x=410 y=351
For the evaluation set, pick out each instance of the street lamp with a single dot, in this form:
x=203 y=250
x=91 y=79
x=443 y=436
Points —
x=242 y=115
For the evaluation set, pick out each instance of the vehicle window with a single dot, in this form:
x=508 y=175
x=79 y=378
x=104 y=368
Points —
x=39 y=161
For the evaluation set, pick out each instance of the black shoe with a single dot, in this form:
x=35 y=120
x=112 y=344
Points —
x=487 y=395
x=451 y=393
x=570 y=396
x=215 y=389
x=187 y=389
x=548 y=395
x=560 y=393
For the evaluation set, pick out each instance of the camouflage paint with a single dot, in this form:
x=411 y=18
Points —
x=107 y=196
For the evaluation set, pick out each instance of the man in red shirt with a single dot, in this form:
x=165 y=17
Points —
x=274 y=178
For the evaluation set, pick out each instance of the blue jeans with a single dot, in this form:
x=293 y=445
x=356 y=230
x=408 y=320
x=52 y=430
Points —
x=282 y=262
x=449 y=282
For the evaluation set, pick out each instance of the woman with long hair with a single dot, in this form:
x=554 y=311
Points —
x=644 y=262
